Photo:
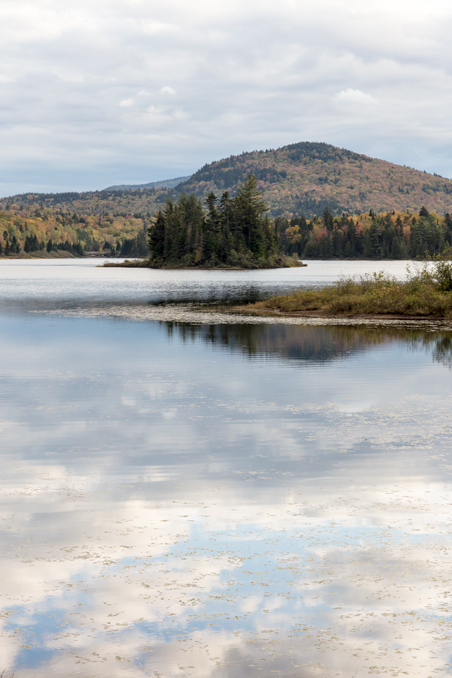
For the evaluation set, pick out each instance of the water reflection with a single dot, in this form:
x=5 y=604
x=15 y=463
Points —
x=442 y=350
x=315 y=344
x=174 y=508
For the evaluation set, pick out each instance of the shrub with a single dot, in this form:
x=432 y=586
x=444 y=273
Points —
x=426 y=292
x=442 y=274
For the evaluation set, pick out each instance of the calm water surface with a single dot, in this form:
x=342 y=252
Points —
x=218 y=500
x=68 y=283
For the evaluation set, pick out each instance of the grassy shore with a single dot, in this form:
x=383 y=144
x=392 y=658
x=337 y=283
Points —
x=426 y=293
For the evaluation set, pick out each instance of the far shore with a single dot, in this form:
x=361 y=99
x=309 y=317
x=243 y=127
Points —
x=40 y=254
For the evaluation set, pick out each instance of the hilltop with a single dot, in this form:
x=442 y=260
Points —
x=305 y=178
x=297 y=179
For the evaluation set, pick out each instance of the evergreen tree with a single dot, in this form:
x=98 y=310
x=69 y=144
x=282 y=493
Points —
x=156 y=237
x=211 y=230
x=229 y=231
x=328 y=219
x=249 y=209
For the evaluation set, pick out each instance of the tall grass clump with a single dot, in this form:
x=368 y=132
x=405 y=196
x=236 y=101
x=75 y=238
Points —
x=427 y=291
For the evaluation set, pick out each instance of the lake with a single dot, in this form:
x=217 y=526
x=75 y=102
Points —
x=186 y=495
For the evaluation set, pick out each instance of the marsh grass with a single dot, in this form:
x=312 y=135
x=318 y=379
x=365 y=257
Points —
x=427 y=291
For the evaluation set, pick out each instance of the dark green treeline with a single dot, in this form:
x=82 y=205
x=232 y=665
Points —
x=388 y=236
x=233 y=232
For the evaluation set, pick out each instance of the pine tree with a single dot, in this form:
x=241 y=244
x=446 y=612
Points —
x=156 y=237
x=211 y=224
x=328 y=219
x=229 y=231
x=249 y=209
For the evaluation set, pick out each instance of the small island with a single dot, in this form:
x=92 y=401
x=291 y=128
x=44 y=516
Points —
x=425 y=294
x=228 y=233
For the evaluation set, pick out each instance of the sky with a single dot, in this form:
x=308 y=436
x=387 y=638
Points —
x=97 y=92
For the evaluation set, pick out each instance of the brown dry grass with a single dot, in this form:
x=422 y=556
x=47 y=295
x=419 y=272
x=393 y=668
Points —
x=426 y=292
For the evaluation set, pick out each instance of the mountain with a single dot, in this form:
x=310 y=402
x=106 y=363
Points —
x=167 y=183
x=306 y=177
x=299 y=179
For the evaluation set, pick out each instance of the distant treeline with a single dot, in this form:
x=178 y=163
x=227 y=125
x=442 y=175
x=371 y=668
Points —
x=231 y=232
x=28 y=230
x=11 y=245
x=370 y=236
x=223 y=230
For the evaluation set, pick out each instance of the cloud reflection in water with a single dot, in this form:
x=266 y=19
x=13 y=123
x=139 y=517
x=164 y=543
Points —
x=208 y=501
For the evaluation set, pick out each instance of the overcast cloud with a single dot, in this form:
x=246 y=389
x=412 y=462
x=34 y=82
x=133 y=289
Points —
x=97 y=92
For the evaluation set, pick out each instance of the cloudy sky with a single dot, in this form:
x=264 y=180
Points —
x=97 y=92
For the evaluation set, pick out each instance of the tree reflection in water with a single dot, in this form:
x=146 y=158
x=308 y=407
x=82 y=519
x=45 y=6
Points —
x=312 y=343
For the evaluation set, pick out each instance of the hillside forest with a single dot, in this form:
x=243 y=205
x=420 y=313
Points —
x=299 y=179
x=306 y=177
x=27 y=231
x=387 y=235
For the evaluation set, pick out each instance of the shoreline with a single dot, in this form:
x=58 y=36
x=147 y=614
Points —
x=143 y=263
x=426 y=295
x=220 y=315
x=326 y=315
x=60 y=254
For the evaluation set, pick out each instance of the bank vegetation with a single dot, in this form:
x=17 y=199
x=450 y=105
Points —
x=426 y=292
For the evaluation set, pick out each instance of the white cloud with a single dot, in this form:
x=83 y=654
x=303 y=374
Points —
x=168 y=90
x=253 y=75
x=354 y=96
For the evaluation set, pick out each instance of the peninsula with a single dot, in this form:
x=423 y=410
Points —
x=426 y=293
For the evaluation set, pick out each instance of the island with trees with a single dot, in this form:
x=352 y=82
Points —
x=230 y=232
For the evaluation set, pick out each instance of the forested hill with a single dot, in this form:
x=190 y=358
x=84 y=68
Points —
x=305 y=178
x=108 y=202
x=300 y=179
